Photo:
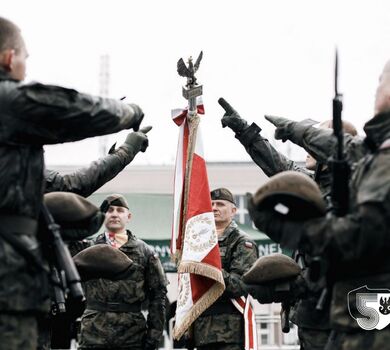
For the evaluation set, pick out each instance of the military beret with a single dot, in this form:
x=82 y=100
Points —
x=101 y=261
x=222 y=194
x=114 y=199
x=69 y=207
x=292 y=194
x=271 y=267
x=77 y=217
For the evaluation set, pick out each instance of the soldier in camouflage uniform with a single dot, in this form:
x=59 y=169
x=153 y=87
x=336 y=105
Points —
x=355 y=246
x=33 y=115
x=221 y=326
x=113 y=318
x=313 y=325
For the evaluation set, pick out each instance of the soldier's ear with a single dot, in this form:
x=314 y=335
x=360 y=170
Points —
x=7 y=58
x=129 y=216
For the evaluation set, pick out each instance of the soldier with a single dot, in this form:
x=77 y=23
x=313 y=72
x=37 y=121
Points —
x=355 y=246
x=33 y=115
x=221 y=326
x=313 y=325
x=113 y=318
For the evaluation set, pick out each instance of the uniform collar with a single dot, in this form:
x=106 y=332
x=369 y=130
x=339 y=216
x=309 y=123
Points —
x=377 y=129
x=228 y=230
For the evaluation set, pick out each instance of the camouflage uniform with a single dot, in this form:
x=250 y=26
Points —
x=313 y=325
x=33 y=115
x=113 y=318
x=222 y=326
x=355 y=246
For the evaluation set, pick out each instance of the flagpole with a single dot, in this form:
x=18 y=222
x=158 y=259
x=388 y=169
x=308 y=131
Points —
x=191 y=92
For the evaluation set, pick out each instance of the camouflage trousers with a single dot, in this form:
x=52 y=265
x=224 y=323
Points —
x=221 y=346
x=312 y=339
x=18 y=332
x=372 y=340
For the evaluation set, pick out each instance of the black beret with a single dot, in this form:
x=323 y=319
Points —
x=222 y=194
x=114 y=199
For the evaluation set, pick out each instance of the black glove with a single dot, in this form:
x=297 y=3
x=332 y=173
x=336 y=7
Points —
x=137 y=141
x=231 y=118
x=138 y=115
x=287 y=129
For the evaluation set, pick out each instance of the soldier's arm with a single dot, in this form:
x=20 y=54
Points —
x=157 y=282
x=87 y=180
x=44 y=114
x=260 y=150
x=356 y=237
x=243 y=257
x=318 y=142
x=265 y=155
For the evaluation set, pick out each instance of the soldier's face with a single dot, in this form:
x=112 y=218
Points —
x=310 y=162
x=117 y=218
x=223 y=211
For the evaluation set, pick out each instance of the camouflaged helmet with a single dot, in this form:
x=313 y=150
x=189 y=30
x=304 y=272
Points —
x=273 y=267
x=101 y=261
x=292 y=194
x=77 y=217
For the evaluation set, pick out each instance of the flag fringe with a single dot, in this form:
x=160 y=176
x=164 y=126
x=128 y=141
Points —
x=199 y=268
x=198 y=308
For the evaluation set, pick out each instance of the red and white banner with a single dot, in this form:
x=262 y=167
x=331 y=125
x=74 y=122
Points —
x=244 y=305
x=194 y=238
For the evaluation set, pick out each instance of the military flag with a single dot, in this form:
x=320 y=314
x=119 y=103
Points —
x=194 y=238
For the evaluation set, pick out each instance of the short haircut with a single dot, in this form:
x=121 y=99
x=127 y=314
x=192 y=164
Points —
x=348 y=127
x=10 y=36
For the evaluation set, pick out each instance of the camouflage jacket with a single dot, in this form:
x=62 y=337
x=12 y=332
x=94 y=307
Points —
x=321 y=144
x=355 y=246
x=145 y=281
x=33 y=115
x=273 y=162
x=222 y=323
x=87 y=180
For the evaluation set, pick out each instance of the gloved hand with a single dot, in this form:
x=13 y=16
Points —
x=138 y=115
x=137 y=141
x=231 y=118
x=287 y=129
x=266 y=293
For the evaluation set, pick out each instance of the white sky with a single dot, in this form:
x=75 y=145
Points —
x=265 y=57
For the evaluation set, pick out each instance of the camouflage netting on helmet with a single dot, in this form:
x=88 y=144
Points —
x=292 y=194
x=101 y=261
x=270 y=268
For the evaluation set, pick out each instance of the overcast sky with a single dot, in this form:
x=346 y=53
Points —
x=265 y=57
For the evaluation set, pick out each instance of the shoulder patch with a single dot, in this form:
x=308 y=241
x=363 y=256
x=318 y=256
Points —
x=248 y=244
